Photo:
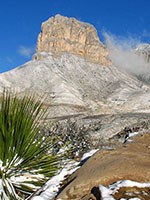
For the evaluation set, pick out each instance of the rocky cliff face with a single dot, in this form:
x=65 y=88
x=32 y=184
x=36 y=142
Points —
x=62 y=34
x=144 y=50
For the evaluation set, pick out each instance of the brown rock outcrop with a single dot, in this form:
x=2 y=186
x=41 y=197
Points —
x=62 y=34
x=131 y=162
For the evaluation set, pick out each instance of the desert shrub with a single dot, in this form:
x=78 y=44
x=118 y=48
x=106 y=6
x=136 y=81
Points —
x=70 y=138
x=25 y=164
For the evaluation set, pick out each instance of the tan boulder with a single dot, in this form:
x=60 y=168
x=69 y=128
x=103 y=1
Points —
x=131 y=161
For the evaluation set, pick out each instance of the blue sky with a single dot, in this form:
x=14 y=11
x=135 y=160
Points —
x=21 y=21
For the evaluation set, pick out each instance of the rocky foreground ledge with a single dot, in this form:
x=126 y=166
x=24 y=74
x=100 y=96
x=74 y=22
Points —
x=128 y=162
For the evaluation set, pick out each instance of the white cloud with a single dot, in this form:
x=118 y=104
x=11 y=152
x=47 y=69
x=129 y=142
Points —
x=122 y=54
x=26 y=51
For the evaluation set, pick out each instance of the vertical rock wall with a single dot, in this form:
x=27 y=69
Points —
x=62 y=34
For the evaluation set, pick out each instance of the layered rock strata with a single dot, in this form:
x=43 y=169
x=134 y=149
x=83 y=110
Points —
x=62 y=34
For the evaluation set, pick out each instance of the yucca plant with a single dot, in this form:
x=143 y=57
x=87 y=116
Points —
x=25 y=163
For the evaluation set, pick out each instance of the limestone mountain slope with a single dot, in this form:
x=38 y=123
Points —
x=70 y=81
x=144 y=50
x=72 y=72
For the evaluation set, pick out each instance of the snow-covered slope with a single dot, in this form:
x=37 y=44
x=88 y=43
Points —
x=144 y=50
x=74 y=85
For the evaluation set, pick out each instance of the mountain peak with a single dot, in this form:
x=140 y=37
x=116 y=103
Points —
x=61 y=34
x=144 y=50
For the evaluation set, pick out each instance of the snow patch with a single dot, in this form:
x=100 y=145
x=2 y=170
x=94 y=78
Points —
x=107 y=192
x=89 y=154
x=52 y=187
